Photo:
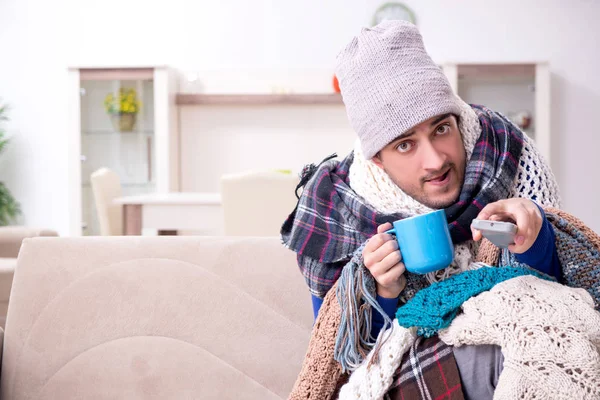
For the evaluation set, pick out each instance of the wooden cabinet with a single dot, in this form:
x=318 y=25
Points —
x=124 y=119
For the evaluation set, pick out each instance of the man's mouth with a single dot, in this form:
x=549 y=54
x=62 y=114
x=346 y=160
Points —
x=440 y=179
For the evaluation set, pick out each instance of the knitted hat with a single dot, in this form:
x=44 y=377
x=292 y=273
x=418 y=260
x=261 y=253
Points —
x=390 y=84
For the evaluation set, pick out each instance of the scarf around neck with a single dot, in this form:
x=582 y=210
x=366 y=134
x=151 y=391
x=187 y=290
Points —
x=331 y=221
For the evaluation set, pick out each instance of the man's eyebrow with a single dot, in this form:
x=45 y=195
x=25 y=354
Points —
x=432 y=124
x=439 y=119
x=403 y=136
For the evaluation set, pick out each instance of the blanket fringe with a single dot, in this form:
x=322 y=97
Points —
x=356 y=296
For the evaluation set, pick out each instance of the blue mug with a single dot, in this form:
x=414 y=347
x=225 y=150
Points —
x=424 y=241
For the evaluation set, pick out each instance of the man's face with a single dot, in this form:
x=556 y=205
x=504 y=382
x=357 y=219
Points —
x=428 y=162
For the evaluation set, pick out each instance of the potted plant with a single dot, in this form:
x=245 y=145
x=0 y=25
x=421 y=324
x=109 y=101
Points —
x=9 y=208
x=123 y=109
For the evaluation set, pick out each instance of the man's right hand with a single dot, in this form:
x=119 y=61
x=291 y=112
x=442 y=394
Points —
x=383 y=259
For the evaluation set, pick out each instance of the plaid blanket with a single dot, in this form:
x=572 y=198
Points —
x=331 y=221
x=428 y=371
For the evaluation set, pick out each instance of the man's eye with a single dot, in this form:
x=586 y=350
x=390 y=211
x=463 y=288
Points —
x=443 y=129
x=404 y=147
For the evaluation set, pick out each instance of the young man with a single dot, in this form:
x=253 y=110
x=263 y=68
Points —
x=419 y=148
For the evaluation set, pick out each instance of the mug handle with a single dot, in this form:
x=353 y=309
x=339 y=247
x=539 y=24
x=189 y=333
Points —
x=391 y=231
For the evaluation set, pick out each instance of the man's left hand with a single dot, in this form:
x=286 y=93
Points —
x=523 y=212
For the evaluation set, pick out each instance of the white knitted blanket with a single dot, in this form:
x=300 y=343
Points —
x=372 y=383
x=549 y=335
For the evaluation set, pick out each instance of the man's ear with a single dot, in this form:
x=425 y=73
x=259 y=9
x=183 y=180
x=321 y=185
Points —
x=377 y=160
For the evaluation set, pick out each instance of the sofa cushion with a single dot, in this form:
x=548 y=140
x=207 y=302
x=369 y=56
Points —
x=155 y=318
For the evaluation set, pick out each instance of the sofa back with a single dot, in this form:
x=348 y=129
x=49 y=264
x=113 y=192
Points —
x=155 y=318
x=11 y=238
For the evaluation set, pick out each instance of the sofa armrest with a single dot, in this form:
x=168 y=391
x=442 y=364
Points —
x=1 y=346
x=12 y=236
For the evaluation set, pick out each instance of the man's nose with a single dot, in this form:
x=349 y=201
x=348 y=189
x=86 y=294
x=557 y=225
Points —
x=433 y=160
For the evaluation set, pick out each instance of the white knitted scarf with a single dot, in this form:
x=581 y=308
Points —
x=549 y=335
x=379 y=191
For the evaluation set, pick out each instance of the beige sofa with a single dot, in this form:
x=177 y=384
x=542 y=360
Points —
x=155 y=318
x=10 y=243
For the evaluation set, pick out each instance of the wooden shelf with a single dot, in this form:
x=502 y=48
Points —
x=149 y=185
x=496 y=70
x=258 y=99
x=112 y=132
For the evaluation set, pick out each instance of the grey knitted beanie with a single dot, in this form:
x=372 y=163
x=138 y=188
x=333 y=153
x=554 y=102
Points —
x=389 y=84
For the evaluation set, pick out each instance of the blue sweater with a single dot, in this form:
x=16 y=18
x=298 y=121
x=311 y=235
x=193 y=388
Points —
x=541 y=255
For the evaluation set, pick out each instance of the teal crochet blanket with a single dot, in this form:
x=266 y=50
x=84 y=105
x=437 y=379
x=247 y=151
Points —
x=434 y=307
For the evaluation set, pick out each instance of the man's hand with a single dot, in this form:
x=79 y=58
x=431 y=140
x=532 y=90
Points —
x=383 y=259
x=523 y=212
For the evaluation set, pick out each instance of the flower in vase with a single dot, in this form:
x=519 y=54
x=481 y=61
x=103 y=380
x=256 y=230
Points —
x=123 y=108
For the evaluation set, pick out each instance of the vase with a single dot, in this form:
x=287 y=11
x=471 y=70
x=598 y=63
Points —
x=124 y=122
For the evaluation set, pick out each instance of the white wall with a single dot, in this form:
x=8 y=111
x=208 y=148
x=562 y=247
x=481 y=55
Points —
x=40 y=39
x=218 y=140
x=221 y=140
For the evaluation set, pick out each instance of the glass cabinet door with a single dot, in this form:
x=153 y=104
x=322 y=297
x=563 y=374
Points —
x=117 y=132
